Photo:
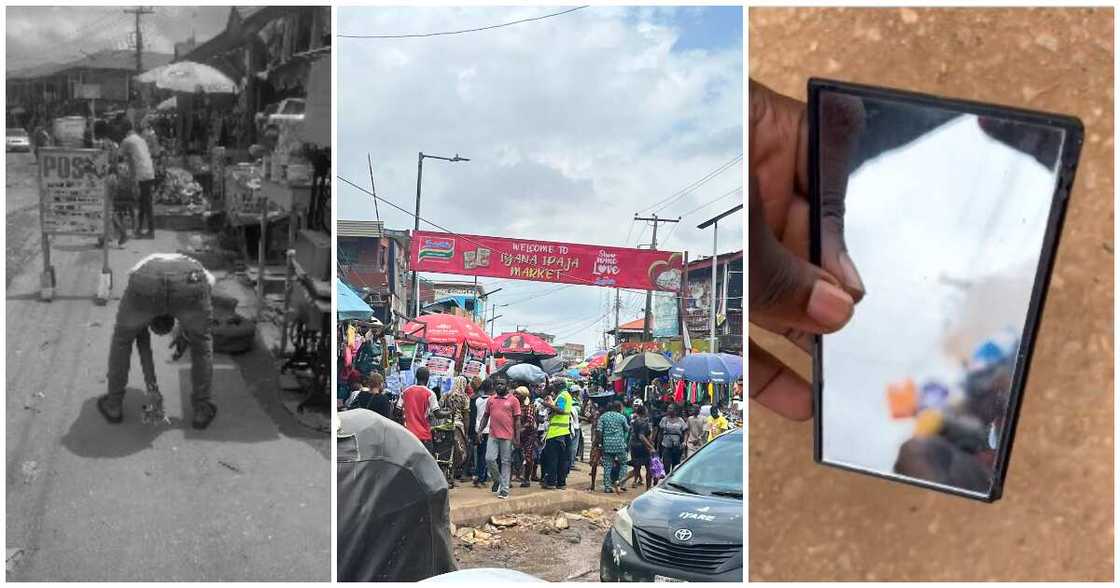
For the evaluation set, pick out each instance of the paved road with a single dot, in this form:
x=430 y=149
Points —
x=247 y=499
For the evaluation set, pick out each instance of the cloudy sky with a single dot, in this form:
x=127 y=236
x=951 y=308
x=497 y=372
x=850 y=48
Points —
x=44 y=34
x=573 y=124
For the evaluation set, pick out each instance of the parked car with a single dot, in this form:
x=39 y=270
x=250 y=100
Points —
x=17 y=140
x=687 y=528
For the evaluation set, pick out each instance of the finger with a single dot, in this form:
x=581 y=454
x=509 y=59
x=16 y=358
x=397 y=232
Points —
x=776 y=387
x=787 y=289
x=799 y=338
x=842 y=119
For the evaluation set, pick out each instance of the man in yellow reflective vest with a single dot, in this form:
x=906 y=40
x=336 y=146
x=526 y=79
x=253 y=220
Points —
x=554 y=457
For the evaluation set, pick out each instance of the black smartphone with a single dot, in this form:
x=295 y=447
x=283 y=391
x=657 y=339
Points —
x=950 y=213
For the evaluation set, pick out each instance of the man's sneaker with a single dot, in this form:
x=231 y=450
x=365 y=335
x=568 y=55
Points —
x=204 y=413
x=110 y=409
x=525 y=484
x=494 y=486
x=503 y=495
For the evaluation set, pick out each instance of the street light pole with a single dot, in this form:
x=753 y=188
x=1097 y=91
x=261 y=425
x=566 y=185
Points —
x=714 y=223
x=416 y=218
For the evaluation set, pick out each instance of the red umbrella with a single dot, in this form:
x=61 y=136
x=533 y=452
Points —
x=521 y=345
x=447 y=329
x=598 y=360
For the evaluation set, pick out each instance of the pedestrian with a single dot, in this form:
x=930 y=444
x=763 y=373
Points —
x=457 y=403
x=162 y=289
x=613 y=430
x=143 y=175
x=530 y=439
x=418 y=403
x=378 y=401
x=671 y=432
x=640 y=448
x=696 y=435
x=42 y=139
x=575 y=433
x=502 y=415
x=479 y=434
x=554 y=467
x=587 y=425
x=716 y=424
x=591 y=421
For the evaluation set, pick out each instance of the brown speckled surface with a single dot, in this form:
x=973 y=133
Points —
x=1055 y=522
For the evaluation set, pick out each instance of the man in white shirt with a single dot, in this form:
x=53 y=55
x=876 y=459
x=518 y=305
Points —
x=163 y=289
x=143 y=173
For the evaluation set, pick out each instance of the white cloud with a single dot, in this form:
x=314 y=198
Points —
x=572 y=125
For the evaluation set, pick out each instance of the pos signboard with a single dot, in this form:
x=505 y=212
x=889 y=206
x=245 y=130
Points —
x=74 y=201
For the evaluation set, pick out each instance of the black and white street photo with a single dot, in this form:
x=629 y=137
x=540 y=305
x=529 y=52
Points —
x=168 y=293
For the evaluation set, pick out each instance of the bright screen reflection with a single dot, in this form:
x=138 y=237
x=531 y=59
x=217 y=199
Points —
x=945 y=219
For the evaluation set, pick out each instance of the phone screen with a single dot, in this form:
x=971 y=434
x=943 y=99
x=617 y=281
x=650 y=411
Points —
x=950 y=212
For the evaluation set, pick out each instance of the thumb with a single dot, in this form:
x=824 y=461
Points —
x=787 y=290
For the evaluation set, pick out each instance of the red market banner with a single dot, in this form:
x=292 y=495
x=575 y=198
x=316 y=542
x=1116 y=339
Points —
x=545 y=261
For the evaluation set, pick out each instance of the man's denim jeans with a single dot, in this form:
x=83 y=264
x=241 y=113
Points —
x=173 y=287
x=499 y=450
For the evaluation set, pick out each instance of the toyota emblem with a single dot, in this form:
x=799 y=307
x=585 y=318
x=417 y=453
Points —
x=683 y=534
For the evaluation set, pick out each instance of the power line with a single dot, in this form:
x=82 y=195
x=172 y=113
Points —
x=460 y=32
x=661 y=204
x=731 y=192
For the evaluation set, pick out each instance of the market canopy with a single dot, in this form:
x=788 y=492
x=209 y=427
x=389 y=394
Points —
x=717 y=368
x=170 y=104
x=350 y=305
x=447 y=329
x=644 y=364
x=190 y=77
x=522 y=345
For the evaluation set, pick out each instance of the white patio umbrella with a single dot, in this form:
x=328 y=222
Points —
x=188 y=76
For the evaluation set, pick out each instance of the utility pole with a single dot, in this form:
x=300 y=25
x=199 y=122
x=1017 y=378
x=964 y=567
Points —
x=617 y=308
x=138 y=12
x=653 y=247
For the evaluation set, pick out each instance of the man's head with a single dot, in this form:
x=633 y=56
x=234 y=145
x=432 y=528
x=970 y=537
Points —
x=672 y=411
x=640 y=410
x=162 y=324
x=715 y=412
x=556 y=387
x=486 y=387
x=376 y=382
x=616 y=406
x=126 y=126
x=422 y=376
x=476 y=382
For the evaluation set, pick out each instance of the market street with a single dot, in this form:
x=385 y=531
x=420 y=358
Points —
x=246 y=499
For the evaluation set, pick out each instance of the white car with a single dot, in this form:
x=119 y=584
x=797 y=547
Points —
x=17 y=140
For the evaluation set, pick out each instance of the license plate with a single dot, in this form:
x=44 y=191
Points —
x=657 y=578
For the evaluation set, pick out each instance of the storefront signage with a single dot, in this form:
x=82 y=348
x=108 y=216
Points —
x=543 y=261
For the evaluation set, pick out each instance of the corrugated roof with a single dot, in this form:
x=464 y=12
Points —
x=360 y=228
x=113 y=59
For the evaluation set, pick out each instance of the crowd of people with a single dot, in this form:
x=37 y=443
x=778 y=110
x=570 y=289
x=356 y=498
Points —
x=500 y=432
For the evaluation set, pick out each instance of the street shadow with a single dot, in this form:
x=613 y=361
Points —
x=238 y=419
x=76 y=247
x=90 y=435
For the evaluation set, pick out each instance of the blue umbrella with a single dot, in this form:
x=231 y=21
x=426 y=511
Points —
x=349 y=304
x=735 y=363
x=707 y=367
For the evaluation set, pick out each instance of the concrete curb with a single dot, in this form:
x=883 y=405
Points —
x=546 y=502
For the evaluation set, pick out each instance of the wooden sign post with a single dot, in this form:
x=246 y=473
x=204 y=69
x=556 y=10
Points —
x=74 y=199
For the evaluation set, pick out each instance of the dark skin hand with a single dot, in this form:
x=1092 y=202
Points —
x=788 y=295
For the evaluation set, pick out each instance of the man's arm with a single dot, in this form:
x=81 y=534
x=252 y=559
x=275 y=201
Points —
x=144 y=346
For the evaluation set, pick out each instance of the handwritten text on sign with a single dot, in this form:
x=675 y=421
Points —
x=72 y=190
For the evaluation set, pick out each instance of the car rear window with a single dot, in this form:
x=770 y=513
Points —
x=717 y=467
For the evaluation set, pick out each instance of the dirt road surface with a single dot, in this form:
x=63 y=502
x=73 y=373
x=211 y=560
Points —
x=246 y=499
x=571 y=555
x=1055 y=521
